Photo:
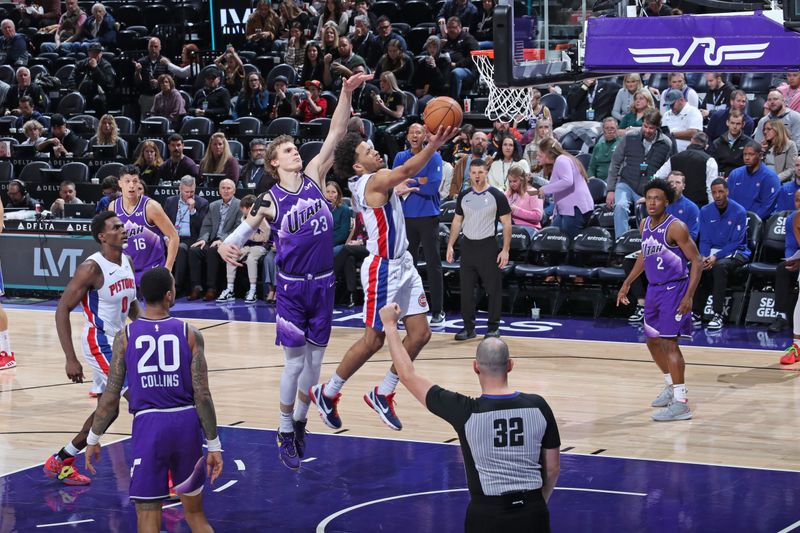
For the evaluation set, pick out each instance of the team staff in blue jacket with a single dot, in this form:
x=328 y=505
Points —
x=723 y=245
x=786 y=195
x=682 y=208
x=786 y=274
x=754 y=186
x=421 y=210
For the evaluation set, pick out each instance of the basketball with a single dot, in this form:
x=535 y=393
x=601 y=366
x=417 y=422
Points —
x=442 y=111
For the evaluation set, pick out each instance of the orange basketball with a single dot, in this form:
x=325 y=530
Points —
x=442 y=111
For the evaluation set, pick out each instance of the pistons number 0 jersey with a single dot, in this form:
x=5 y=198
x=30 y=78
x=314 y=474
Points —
x=107 y=308
x=385 y=225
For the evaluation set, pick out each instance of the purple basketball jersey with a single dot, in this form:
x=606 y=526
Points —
x=145 y=241
x=304 y=228
x=662 y=262
x=158 y=360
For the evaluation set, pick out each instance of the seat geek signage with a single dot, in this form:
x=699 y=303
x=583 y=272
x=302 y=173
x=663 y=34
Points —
x=228 y=21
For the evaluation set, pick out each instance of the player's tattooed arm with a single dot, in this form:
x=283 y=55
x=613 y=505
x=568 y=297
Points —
x=108 y=408
x=134 y=311
x=202 y=395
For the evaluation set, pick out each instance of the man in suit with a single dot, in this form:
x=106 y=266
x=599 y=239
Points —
x=223 y=217
x=187 y=211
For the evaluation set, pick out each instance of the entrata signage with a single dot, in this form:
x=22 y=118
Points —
x=228 y=22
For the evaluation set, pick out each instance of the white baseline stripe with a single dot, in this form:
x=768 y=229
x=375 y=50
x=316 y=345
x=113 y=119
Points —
x=66 y=523
x=618 y=492
x=170 y=506
x=239 y=464
x=227 y=485
x=790 y=528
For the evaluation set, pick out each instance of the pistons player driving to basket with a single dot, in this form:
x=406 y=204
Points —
x=388 y=274
x=104 y=286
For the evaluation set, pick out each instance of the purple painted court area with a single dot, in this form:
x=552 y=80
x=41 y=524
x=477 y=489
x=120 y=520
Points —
x=356 y=484
x=551 y=327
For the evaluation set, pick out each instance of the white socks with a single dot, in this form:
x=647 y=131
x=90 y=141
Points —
x=300 y=411
x=679 y=392
x=668 y=379
x=286 y=425
x=390 y=381
x=71 y=449
x=5 y=343
x=334 y=385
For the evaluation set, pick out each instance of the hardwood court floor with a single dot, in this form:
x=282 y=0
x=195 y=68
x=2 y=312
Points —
x=746 y=407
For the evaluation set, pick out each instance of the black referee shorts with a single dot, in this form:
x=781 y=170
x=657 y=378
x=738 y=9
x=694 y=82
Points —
x=523 y=512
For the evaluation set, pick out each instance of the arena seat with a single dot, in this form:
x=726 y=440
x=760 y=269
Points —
x=194 y=148
x=283 y=126
x=71 y=104
x=30 y=173
x=108 y=169
x=76 y=171
x=309 y=150
x=249 y=125
x=590 y=251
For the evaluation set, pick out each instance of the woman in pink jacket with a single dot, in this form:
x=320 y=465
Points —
x=568 y=185
x=526 y=209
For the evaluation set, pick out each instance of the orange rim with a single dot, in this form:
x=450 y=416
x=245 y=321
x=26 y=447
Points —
x=487 y=53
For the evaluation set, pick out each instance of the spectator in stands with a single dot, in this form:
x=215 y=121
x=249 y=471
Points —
x=431 y=71
x=169 y=102
x=396 y=61
x=279 y=101
x=544 y=130
x=478 y=210
x=290 y=13
x=356 y=125
x=296 y=47
x=538 y=111
x=754 y=186
x=99 y=28
x=462 y=143
x=333 y=11
x=63 y=140
x=642 y=104
x=108 y=135
x=677 y=83
x=727 y=149
x=251 y=253
x=421 y=211
x=723 y=246
x=482 y=27
x=636 y=159
x=342 y=215
x=459 y=44
x=27 y=112
x=13 y=45
x=386 y=34
x=623 y=103
x=365 y=43
x=262 y=28
x=718 y=95
x=190 y=64
x=461 y=174
x=584 y=100
x=717 y=123
x=147 y=71
x=212 y=101
x=68 y=26
x=501 y=127
x=389 y=104
x=508 y=156
x=779 y=150
x=603 y=150
x=778 y=110
x=568 y=183
x=463 y=10
x=66 y=195
x=33 y=133
x=25 y=87
x=178 y=164
x=682 y=119
x=309 y=105
x=330 y=40
x=253 y=175
x=342 y=67
x=683 y=208
x=526 y=209
x=698 y=168
x=222 y=218
x=786 y=196
x=791 y=91
x=313 y=64
x=361 y=9
x=232 y=69
x=219 y=159
x=111 y=191
x=254 y=99
x=149 y=163
x=39 y=14
x=94 y=78
x=656 y=8
x=186 y=211
x=19 y=197
x=786 y=272
x=349 y=259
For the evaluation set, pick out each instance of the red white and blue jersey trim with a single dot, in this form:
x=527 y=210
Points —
x=385 y=225
x=376 y=292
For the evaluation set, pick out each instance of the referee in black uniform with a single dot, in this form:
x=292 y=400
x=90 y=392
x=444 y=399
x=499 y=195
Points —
x=477 y=211
x=509 y=439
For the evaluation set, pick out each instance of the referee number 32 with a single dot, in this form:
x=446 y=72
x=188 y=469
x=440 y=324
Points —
x=508 y=432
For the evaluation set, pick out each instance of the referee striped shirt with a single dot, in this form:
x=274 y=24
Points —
x=501 y=438
x=481 y=211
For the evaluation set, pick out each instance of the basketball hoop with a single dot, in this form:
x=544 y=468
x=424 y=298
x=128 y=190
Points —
x=505 y=104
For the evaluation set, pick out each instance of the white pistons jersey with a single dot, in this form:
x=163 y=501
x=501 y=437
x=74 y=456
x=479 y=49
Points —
x=385 y=225
x=107 y=308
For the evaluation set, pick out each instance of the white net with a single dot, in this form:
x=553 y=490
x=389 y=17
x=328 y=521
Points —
x=506 y=104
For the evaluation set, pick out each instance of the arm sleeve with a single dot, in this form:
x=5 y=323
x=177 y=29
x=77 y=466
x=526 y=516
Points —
x=618 y=111
x=532 y=210
x=592 y=170
x=665 y=169
x=561 y=178
x=694 y=223
x=502 y=202
x=460 y=211
x=738 y=237
x=434 y=175
x=551 y=438
x=767 y=196
x=617 y=159
x=705 y=235
x=791 y=155
x=448 y=405
x=712 y=171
